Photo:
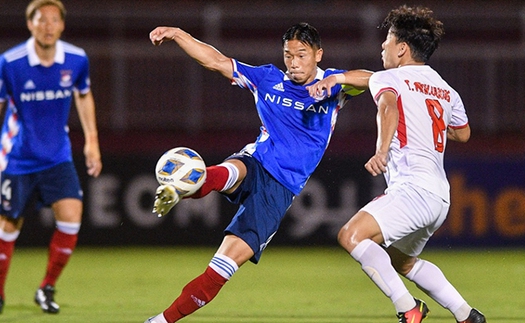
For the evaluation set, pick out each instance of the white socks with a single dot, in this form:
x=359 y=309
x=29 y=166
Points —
x=375 y=262
x=431 y=280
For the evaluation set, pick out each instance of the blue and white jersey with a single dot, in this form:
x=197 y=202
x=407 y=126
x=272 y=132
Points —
x=296 y=128
x=35 y=132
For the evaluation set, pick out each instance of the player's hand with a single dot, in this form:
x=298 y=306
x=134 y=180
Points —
x=323 y=88
x=165 y=199
x=161 y=34
x=377 y=164
x=93 y=162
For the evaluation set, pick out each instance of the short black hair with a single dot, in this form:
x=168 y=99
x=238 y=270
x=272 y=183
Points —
x=305 y=33
x=417 y=28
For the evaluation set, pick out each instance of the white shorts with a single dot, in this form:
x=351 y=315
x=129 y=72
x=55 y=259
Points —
x=408 y=216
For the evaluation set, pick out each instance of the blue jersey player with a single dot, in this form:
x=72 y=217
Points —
x=38 y=81
x=265 y=176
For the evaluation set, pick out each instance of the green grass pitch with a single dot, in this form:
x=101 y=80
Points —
x=289 y=285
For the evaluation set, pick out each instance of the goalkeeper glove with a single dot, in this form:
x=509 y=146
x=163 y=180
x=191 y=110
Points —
x=165 y=198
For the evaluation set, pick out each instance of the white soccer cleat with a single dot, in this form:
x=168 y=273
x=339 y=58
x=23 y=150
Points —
x=165 y=199
x=156 y=319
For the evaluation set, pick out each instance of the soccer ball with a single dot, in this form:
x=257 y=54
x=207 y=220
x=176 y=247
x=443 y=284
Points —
x=182 y=168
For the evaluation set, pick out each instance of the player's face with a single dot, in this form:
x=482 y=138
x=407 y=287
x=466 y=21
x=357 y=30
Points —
x=301 y=61
x=390 y=52
x=46 y=26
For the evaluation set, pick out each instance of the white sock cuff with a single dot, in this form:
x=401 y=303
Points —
x=68 y=227
x=417 y=266
x=360 y=249
x=223 y=265
x=233 y=175
x=9 y=236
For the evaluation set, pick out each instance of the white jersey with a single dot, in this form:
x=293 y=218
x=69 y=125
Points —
x=427 y=106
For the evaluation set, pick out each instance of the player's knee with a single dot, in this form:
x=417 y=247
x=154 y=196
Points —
x=10 y=225
x=344 y=238
x=403 y=266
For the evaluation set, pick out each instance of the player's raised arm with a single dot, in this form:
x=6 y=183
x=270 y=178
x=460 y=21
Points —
x=358 y=79
x=205 y=54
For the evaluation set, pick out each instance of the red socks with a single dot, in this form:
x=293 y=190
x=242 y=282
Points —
x=195 y=295
x=216 y=178
x=60 y=249
x=6 y=252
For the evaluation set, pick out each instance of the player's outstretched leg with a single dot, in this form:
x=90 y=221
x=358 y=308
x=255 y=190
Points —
x=218 y=178
x=166 y=198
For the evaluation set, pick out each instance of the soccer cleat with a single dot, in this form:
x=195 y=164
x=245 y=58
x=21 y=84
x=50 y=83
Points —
x=165 y=198
x=1 y=305
x=44 y=297
x=415 y=315
x=475 y=316
x=156 y=319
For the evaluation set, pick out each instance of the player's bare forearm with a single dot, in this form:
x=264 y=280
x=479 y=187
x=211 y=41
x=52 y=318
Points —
x=459 y=134
x=86 y=111
x=387 y=119
x=2 y=106
x=85 y=104
x=387 y=122
x=357 y=78
x=205 y=54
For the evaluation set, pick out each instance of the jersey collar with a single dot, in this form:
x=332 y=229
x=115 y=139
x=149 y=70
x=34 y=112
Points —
x=33 y=57
x=318 y=76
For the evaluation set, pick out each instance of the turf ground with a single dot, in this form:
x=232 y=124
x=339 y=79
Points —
x=290 y=285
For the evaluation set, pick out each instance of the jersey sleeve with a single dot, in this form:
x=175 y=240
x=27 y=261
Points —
x=248 y=77
x=459 y=115
x=381 y=82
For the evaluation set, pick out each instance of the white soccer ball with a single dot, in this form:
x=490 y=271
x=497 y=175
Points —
x=183 y=168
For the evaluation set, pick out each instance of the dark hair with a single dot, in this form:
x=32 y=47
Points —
x=417 y=28
x=305 y=33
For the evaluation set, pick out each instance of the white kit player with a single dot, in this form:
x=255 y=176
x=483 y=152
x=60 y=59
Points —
x=38 y=81
x=266 y=176
x=417 y=112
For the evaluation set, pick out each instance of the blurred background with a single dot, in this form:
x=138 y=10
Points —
x=150 y=99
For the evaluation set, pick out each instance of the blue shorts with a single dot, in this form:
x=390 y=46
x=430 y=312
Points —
x=48 y=186
x=263 y=203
